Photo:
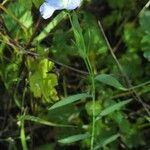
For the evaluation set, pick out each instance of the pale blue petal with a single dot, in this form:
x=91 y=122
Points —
x=73 y=4
x=49 y=6
x=46 y=10
x=57 y=4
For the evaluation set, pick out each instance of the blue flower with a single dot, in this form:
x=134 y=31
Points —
x=49 y=6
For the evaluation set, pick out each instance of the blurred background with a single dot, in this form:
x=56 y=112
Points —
x=41 y=63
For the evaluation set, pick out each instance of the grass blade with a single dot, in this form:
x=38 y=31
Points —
x=113 y=108
x=110 y=80
x=44 y=122
x=70 y=100
x=106 y=141
x=74 y=138
x=50 y=26
x=80 y=43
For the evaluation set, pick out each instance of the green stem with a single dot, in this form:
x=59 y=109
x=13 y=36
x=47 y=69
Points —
x=84 y=54
x=93 y=113
x=90 y=70
x=22 y=130
x=23 y=137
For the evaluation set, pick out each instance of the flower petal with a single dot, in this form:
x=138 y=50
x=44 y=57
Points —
x=49 y=6
x=46 y=10
x=73 y=4
x=57 y=4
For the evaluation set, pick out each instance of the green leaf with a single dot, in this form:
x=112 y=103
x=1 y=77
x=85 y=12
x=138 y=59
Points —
x=42 y=84
x=74 y=138
x=25 y=3
x=93 y=39
x=70 y=100
x=50 y=26
x=89 y=106
x=42 y=121
x=148 y=119
x=147 y=55
x=112 y=108
x=37 y=3
x=110 y=80
x=17 y=18
x=104 y=142
x=145 y=21
x=77 y=30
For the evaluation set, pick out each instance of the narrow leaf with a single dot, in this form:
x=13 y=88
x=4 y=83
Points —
x=51 y=26
x=69 y=100
x=110 y=80
x=44 y=122
x=77 y=30
x=112 y=108
x=74 y=138
x=104 y=142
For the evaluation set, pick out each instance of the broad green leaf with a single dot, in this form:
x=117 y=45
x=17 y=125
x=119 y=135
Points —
x=26 y=4
x=42 y=84
x=112 y=108
x=104 y=142
x=17 y=17
x=69 y=100
x=110 y=80
x=74 y=138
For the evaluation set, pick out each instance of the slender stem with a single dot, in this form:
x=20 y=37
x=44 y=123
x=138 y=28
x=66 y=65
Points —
x=91 y=73
x=145 y=7
x=93 y=112
x=22 y=129
x=84 y=54
x=22 y=136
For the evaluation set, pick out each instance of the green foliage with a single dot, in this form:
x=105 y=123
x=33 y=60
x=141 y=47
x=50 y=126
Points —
x=74 y=138
x=28 y=5
x=109 y=80
x=69 y=100
x=112 y=108
x=41 y=82
x=89 y=107
x=93 y=39
x=18 y=20
x=50 y=26
x=106 y=141
x=145 y=24
x=59 y=83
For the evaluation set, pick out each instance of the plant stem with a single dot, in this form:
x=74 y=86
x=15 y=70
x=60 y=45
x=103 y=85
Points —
x=93 y=112
x=22 y=136
x=84 y=54
x=91 y=73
